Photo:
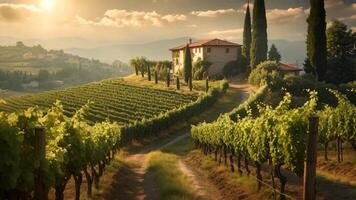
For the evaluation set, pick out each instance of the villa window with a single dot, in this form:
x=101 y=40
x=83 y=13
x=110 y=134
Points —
x=227 y=50
x=209 y=50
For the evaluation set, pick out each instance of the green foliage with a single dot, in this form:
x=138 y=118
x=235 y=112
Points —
x=43 y=75
x=316 y=38
x=74 y=144
x=234 y=68
x=338 y=122
x=246 y=48
x=259 y=45
x=266 y=73
x=341 y=70
x=273 y=54
x=162 y=68
x=119 y=100
x=341 y=43
x=200 y=67
x=187 y=64
x=278 y=134
x=308 y=68
x=341 y=40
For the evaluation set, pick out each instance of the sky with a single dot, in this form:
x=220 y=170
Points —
x=140 y=21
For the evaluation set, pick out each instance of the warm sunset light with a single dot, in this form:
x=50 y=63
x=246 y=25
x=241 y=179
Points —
x=48 y=4
x=178 y=99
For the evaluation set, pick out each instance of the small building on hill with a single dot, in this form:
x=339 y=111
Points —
x=289 y=68
x=218 y=52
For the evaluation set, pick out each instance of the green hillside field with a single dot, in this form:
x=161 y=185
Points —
x=115 y=99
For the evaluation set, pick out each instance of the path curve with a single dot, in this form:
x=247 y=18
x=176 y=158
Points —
x=143 y=186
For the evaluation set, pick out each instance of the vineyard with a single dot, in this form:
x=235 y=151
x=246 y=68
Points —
x=117 y=100
x=47 y=139
x=277 y=136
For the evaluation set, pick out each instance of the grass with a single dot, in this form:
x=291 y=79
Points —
x=182 y=147
x=232 y=185
x=171 y=182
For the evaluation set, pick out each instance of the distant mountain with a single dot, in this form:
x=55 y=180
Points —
x=158 y=50
x=292 y=51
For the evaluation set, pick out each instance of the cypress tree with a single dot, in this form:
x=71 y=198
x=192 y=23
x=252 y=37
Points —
x=207 y=84
x=259 y=46
x=190 y=83
x=316 y=38
x=168 y=80
x=187 y=64
x=149 y=72
x=246 y=49
x=273 y=54
x=156 y=77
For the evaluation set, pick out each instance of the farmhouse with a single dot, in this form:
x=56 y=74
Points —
x=217 y=52
x=289 y=68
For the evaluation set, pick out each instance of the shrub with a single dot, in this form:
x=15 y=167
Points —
x=200 y=67
x=233 y=68
x=266 y=73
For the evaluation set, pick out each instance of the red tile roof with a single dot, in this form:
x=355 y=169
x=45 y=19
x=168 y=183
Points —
x=208 y=42
x=288 y=67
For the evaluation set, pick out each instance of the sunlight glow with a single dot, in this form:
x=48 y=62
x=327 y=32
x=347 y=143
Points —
x=48 y=4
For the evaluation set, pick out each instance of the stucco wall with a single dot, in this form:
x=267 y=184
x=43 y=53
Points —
x=219 y=57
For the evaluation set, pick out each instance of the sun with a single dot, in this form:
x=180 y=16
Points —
x=48 y=4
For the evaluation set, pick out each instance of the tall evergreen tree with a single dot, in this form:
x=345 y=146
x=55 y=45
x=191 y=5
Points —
x=187 y=64
x=273 y=54
x=246 y=49
x=259 y=46
x=316 y=38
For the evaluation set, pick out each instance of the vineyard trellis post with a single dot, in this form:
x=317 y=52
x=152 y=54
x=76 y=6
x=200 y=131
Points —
x=207 y=84
x=309 y=190
x=40 y=153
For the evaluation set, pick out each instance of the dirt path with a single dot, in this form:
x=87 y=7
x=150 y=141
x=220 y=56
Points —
x=132 y=182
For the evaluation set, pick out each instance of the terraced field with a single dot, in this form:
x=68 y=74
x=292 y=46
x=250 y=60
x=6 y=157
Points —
x=116 y=99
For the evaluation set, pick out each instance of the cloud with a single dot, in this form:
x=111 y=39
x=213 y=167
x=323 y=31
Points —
x=214 y=13
x=352 y=17
x=229 y=34
x=18 y=12
x=123 y=18
x=338 y=9
x=287 y=16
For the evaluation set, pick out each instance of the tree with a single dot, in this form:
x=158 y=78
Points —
x=265 y=73
x=134 y=62
x=200 y=67
x=187 y=64
x=308 y=68
x=149 y=71
x=43 y=75
x=341 y=49
x=341 y=41
x=274 y=54
x=316 y=38
x=259 y=46
x=246 y=49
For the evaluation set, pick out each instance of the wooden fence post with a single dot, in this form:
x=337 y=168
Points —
x=309 y=190
x=40 y=145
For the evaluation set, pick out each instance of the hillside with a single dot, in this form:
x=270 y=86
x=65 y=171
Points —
x=25 y=68
x=119 y=100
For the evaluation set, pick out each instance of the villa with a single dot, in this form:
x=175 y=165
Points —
x=218 y=52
